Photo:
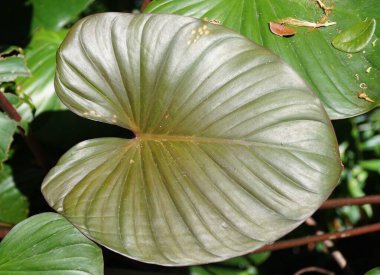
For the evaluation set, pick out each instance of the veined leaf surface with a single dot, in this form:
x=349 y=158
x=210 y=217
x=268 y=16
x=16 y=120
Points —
x=8 y=128
x=12 y=65
x=39 y=87
x=336 y=77
x=48 y=244
x=14 y=206
x=232 y=148
x=356 y=38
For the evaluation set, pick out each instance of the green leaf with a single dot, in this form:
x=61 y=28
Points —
x=259 y=258
x=8 y=128
x=214 y=269
x=336 y=77
x=374 y=271
x=238 y=262
x=371 y=165
x=13 y=99
x=355 y=38
x=55 y=14
x=350 y=213
x=356 y=183
x=14 y=206
x=39 y=88
x=12 y=65
x=48 y=244
x=198 y=270
x=224 y=160
x=27 y=113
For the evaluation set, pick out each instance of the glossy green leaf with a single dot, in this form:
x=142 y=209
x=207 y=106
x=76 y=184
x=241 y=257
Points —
x=371 y=165
x=39 y=88
x=335 y=76
x=12 y=65
x=355 y=38
x=224 y=160
x=55 y=14
x=259 y=258
x=371 y=144
x=14 y=206
x=221 y=270
x=7 y=130
x=48 y=244
x=374 y=271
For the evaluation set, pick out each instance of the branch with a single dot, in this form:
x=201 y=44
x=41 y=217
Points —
x=333 y=203
x=314 y=269
x=38 y=151
x=8 y=108
x=318 y=238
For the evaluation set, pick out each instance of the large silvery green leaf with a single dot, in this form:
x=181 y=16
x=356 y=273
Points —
x=338 y=78
x=48 y=244
x=224 y=160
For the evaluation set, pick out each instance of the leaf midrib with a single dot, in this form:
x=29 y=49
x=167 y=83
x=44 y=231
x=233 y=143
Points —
x=213 y=140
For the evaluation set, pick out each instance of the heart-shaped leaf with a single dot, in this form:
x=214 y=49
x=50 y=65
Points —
x=48 y=244
x=232 y=149
x=355 y=38
x=336 y=77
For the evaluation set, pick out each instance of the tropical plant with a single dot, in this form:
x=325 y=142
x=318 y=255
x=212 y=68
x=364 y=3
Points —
x=219 y=146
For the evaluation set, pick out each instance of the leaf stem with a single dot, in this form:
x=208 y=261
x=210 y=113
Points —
x=8 y=108
x=333 y=203
x=319 y=238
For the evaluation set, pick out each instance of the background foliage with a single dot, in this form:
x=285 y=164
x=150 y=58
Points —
x=36 y=29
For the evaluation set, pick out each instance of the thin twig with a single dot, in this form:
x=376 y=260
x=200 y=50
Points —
x=37 y=150
x=333 y=203
x=319 y=238
x=8 y=108
x=314 y=269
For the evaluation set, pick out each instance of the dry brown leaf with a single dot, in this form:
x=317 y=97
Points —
x=363 y=95
x=281 y=30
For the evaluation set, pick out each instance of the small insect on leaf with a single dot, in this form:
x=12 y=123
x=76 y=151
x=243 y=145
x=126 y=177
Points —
x=281 y=30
